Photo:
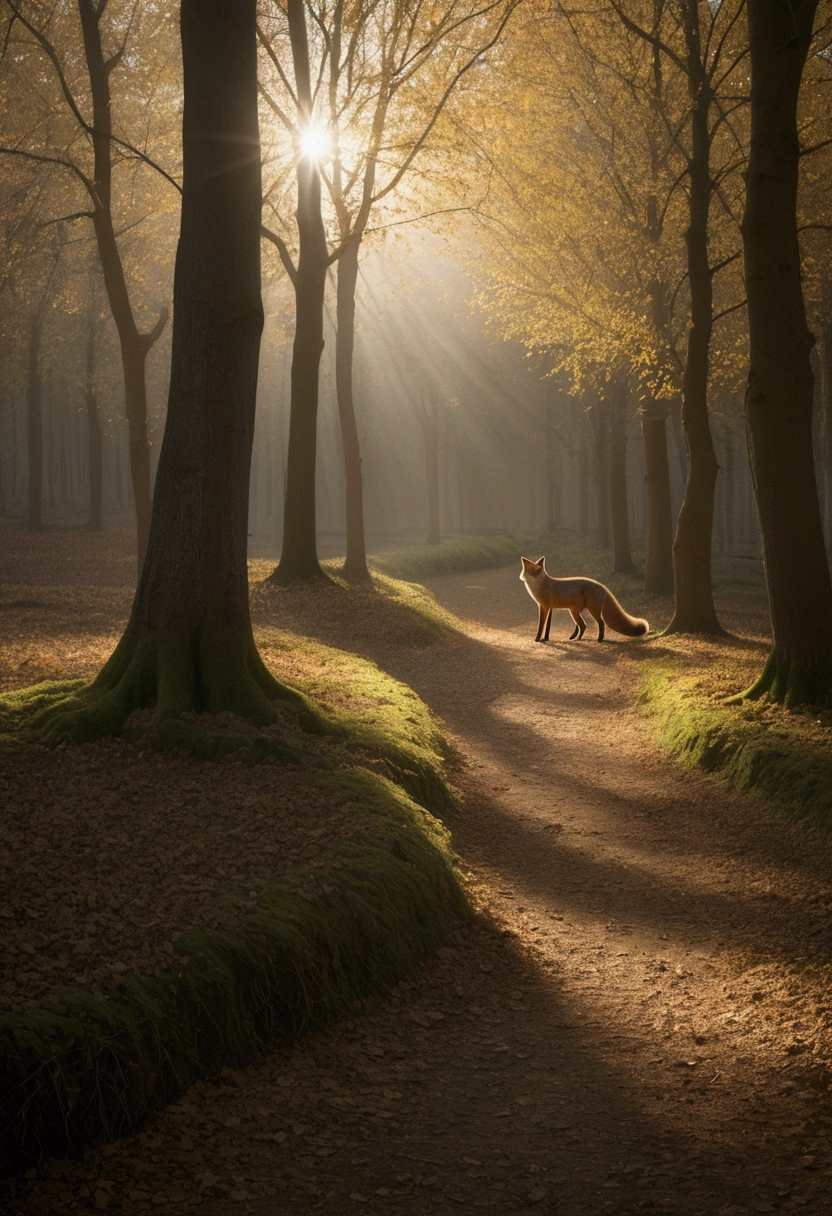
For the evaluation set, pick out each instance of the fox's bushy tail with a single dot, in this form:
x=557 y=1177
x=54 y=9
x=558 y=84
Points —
x=619 y=620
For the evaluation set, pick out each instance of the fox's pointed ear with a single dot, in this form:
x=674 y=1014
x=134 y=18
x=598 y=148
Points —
x=540 y=561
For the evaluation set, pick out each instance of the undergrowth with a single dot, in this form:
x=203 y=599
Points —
x=757 y=747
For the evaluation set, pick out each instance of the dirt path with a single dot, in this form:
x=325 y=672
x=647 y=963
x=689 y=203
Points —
x=640 y=1023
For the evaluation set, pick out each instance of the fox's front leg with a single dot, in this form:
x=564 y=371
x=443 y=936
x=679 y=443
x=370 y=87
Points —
x=548 y=623
x=580 y=626
x=542 y=621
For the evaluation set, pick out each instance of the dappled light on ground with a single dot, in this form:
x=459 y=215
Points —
x=636 y=1022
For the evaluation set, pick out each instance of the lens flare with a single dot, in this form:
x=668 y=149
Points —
x=314 y=143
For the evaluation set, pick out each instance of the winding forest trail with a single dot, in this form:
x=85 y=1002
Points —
x=639 y=1022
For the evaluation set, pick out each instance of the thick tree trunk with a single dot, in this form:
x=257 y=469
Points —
x=94 y=448
x=826 y=416
x=778 y=400
x=34 y=425
x=299 y=555
x=694 y=610
x=134 y=345
x=658 y=569
x=622 y=558
x=355 y=563
x=188 y=645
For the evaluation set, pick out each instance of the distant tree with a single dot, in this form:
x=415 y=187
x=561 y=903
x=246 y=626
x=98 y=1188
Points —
x=188 y=644
x=83 y=140
x=384 y=72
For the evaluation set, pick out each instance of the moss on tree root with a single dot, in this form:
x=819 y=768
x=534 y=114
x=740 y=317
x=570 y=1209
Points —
x=786 y=683
x=80 y=1069
x=201 y=673
x=736 y=741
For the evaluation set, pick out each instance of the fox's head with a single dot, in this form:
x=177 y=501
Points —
x=530 y=569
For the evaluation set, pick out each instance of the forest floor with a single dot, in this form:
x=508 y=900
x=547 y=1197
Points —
x=638 y=1020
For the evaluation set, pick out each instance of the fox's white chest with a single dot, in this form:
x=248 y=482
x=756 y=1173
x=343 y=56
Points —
x=529 y=586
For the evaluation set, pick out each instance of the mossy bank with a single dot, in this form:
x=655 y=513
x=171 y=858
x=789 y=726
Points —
x=758 y=747
x=300 y=949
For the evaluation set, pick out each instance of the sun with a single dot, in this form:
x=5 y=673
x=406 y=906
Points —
x=314 y=143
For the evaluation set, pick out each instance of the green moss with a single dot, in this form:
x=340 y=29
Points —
x=82 y=1069
x=375 y=716
x=18 y=708
x=755 y=747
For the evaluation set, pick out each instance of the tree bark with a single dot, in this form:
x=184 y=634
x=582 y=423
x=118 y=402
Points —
x=34 y=424
x=658 y=569
x=622 y=557
x=134 y=345
x=779 y=391
x=694 y=610
x=299 y=555
x=188 y=645
x=826 y=414
x=95 y=460
x=355 y=562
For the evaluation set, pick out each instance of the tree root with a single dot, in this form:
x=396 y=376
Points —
x=786 y=683
x=202 y=674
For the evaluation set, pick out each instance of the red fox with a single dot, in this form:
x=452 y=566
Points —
x=576 y=594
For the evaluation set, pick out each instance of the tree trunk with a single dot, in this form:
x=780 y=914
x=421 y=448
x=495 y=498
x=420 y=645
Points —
x=355 y=563
x=134 y=345
x=430 y=432
x=826 y=414
x=299 y=555
x=94 y=448
x=34 y=424
x=658 y=569
x=189 y=644
x=778 y=399
x=694 y=610
x=622 y=558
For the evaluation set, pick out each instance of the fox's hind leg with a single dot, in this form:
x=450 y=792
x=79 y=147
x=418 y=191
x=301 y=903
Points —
x=580 y=626
x=548 y=623
x=600 y=622
x=541 y=622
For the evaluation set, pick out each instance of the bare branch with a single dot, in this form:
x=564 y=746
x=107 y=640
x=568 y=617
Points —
x=727 y=311
x=283 y=249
